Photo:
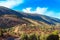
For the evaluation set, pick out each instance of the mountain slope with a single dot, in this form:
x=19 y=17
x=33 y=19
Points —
x=15 y=23
x=7 y=21
x=37 y=17
x=43 y=18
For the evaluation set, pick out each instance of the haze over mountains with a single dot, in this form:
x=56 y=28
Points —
x=9 y=17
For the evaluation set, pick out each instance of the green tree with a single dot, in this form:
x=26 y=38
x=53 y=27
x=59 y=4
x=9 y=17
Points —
x=24 y=37
x=53 y=37
x=34 y=37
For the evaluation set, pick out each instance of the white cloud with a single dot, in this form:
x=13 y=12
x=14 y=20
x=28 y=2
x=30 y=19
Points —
x=44 y=11
x=10 y=3
x=53 y=14
x=37 y=10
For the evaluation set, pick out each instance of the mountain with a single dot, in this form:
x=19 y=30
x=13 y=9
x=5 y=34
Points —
x=11 y=18
x=43 y=18
x=14 y=24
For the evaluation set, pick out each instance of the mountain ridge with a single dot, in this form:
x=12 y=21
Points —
x=43 y=18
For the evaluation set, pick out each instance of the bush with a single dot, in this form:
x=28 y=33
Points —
x=24 y=37
x=55 y=32
x=38 y=37
x=1 y=33
x=42 y=36
x=53 y=37
x=34 y=37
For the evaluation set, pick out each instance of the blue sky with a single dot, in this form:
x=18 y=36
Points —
x=45 y=7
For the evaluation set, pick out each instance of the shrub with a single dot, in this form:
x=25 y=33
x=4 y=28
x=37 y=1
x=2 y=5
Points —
x=0 y=33
x=53 y=37
x=42 y=36
x=24 y=37
x=34 y=37
x=55 y=32
x=38 y=37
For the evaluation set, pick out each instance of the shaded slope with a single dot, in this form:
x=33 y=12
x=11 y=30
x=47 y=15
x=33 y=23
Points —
x=4 y=10
x=43 y=18
x=7 y=21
